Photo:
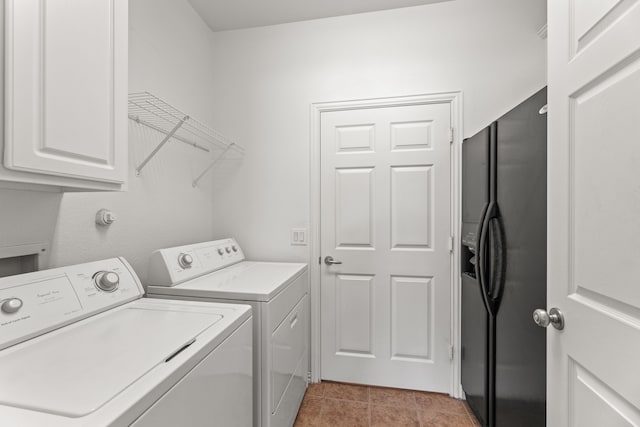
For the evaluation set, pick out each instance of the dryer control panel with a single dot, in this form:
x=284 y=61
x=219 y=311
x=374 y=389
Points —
x=171 y=266
x=34 y=303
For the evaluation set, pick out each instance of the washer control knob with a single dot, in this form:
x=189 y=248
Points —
x=220 y=251
x=228 y=249
x=185 y=260
x=107 y=281
x=235 y=249
x=11 y=305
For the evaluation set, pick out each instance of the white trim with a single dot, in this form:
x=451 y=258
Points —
x=456 y=227
x=316 y=109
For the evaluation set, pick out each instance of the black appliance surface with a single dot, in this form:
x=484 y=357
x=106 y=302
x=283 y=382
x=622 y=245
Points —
x=475 y=322
x=475 y=350
x=504 y=268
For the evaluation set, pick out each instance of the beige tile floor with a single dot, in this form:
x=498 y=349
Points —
x=349 y=405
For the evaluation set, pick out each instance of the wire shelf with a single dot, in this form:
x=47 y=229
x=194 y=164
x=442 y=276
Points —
x=151 y=111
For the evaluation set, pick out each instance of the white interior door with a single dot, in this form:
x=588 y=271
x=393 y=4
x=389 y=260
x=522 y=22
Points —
x=594 y=212
x=386 y=215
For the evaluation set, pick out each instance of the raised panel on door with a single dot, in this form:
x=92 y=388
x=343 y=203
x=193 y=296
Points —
x=602 y=253
x=594 y=403
x=589 y=19
x=606 y=166
x=412 y=318
x=413 y=135
x=354 y=220
x=66 y=85
x=411 y=207
x=355 y=138
x=593 y=193
x=354 y=315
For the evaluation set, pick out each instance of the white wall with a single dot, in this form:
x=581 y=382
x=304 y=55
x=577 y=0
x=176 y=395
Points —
x=266 y=78
x=261 y=82
x=169 y=55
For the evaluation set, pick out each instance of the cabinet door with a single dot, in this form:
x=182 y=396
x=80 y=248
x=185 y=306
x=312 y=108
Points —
x=66 y=88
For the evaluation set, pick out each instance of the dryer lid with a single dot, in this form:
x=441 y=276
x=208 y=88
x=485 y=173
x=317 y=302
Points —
x=77 y=369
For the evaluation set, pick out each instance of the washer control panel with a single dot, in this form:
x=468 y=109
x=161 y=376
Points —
x=170 y=266
x=34 y=303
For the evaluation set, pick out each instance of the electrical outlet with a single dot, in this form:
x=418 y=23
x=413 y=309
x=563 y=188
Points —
x=299 y=236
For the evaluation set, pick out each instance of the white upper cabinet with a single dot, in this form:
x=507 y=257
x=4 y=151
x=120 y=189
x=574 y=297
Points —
x=65 y=93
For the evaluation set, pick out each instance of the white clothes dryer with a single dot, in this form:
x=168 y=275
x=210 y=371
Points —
x=277 y=292
x=80 y=347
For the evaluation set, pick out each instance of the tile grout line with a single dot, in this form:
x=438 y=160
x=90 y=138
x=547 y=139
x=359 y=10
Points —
x=324 y=392
x=319 y=423
x=370 y=406
x=348 y=400
x=473 y=420
x=470 y=414
x=417 y=410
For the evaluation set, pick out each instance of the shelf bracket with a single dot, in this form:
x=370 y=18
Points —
x=216 y=160
x=159 y=146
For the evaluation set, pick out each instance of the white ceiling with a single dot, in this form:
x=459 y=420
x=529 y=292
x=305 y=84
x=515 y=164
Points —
x=223 y=15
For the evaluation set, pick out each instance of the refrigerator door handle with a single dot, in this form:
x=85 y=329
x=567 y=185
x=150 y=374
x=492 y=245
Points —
x=499 y=252
x=478 y=269
x=480 y=266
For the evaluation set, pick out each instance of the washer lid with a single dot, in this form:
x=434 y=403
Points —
x=246 y=281
x=75 y=370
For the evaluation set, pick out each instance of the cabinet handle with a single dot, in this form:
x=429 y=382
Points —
x=294 y=321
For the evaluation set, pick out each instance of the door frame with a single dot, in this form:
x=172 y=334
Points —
x=455 y=101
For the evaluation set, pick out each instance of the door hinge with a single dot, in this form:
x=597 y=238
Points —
x=450 y=243
x=308 y=377
x=450 y=134
x=450 y=352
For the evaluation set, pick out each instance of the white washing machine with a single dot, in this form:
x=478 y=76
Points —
x=80 y=347
x=278 y=294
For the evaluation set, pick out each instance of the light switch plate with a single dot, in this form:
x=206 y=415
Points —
x=299 y=236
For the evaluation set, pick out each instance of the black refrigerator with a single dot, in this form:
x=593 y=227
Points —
x=504 y=226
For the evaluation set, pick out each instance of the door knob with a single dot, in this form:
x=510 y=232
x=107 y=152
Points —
x=330 y=261
x=554 y=318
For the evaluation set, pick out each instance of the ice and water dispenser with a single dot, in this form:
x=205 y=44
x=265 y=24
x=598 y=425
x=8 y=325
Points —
x=469 y=253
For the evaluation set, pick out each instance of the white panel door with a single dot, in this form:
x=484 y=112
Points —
x=594 y=209
x=386 y=215
x=66 y=88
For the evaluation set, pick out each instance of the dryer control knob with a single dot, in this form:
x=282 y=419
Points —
x=228 y=249
x=235 y=249
x=185 y=260
x=11 y=305
x=107 y=281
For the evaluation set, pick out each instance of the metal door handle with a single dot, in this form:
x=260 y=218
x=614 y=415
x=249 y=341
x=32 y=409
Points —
x=330 y=261
x=554 y=318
